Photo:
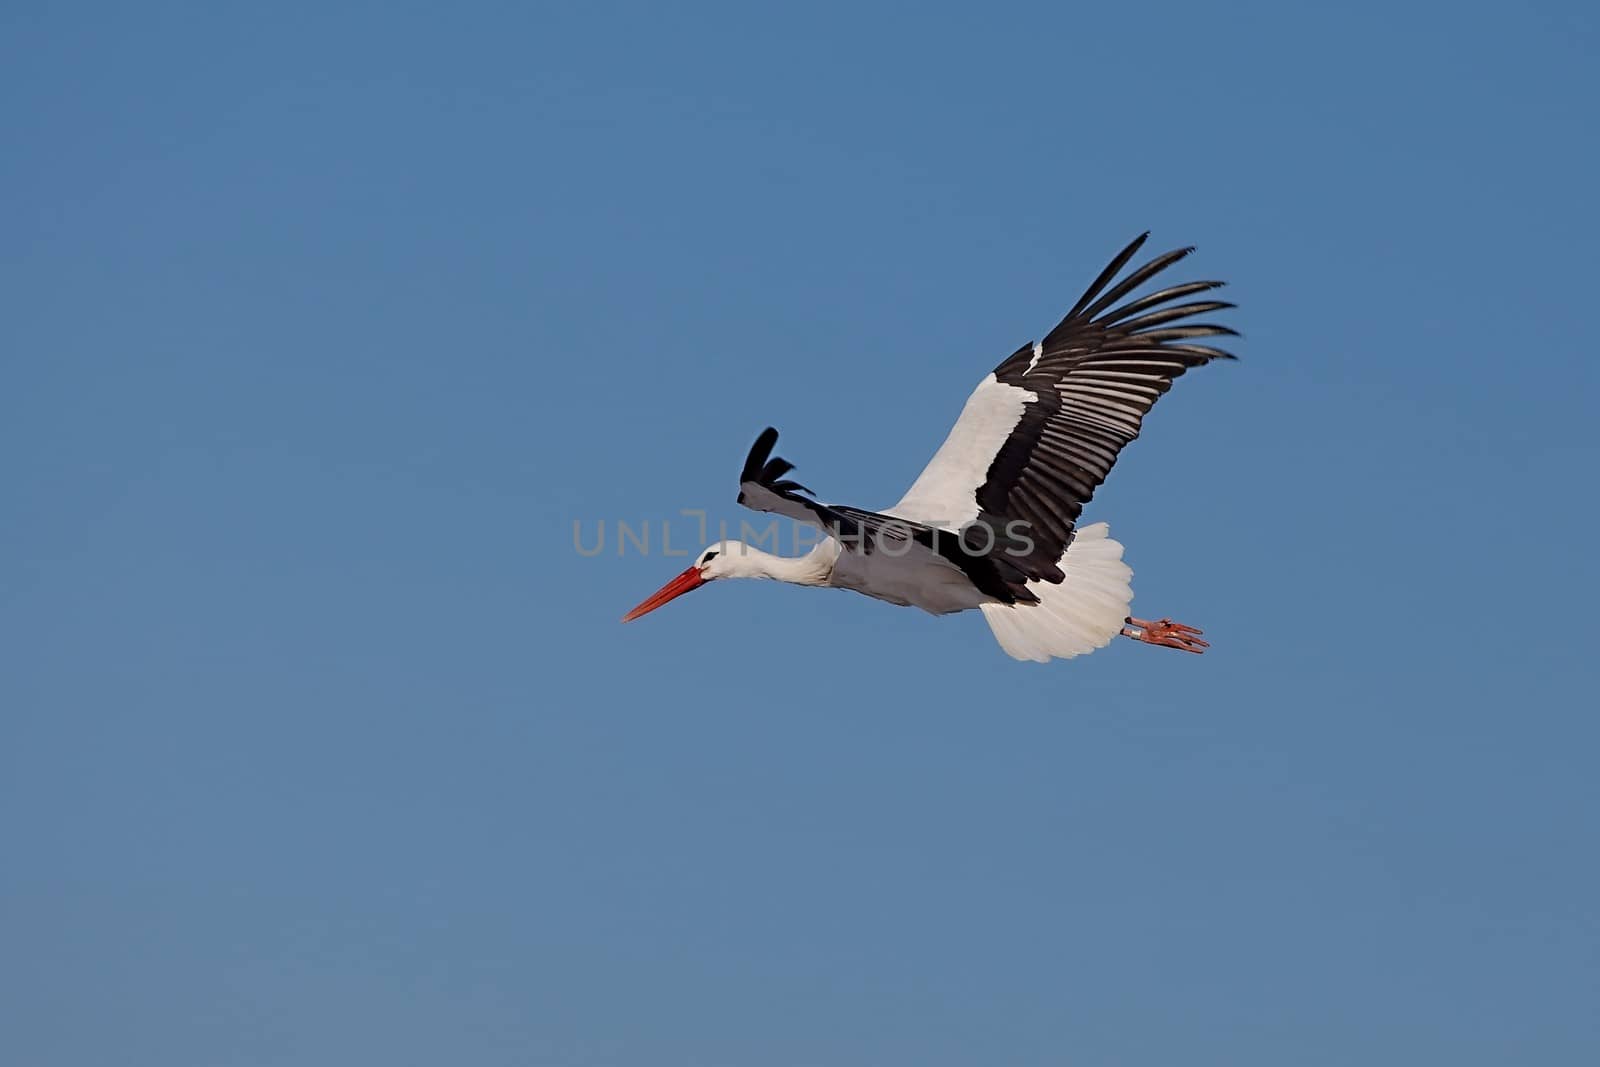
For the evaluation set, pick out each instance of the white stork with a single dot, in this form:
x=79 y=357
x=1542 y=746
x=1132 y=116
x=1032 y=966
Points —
x=992 y=523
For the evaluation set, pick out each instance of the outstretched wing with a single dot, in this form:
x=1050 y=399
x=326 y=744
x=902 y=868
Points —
x=764 y=487
x=1040 y=433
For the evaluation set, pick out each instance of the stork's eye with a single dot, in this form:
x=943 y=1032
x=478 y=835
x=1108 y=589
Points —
x=709 y=557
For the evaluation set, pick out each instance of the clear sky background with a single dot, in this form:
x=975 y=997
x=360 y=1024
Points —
x=320 y=744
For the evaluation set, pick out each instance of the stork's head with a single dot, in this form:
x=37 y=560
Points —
x=720 y=560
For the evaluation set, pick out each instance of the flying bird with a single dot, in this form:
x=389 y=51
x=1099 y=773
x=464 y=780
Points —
x=992 y=522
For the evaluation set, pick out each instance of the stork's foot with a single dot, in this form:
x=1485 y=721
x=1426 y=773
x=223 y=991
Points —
x=1165 y=632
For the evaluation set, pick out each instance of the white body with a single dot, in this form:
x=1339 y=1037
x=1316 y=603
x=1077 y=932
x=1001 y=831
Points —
x=1081 y=614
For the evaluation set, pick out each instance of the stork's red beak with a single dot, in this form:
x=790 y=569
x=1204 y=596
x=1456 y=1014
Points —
x=689 y=579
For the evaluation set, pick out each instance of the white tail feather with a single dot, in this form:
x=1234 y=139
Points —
x=1081 y=614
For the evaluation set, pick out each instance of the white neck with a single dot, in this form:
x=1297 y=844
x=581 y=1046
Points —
x=812 y=568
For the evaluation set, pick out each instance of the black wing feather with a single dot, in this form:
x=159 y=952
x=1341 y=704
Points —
x=1094 y=377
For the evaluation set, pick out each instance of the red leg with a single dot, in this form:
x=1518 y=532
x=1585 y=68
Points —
x=1167 y=633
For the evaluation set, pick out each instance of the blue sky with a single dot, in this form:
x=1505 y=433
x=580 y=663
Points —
x=321 y=745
